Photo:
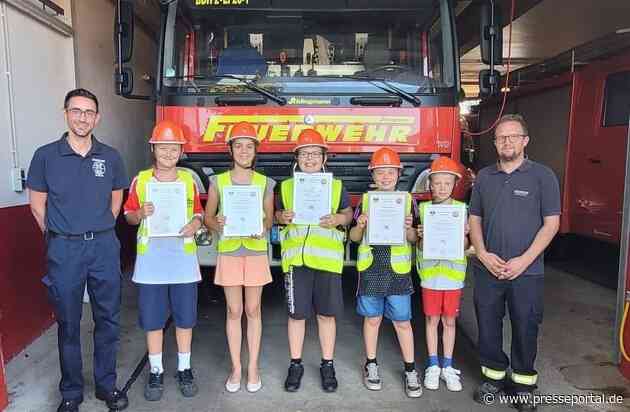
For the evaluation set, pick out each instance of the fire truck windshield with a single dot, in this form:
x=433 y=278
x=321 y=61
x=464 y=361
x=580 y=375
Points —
x=320 y=49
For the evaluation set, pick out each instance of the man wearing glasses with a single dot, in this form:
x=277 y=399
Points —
x=76 y=188
x=514 y=215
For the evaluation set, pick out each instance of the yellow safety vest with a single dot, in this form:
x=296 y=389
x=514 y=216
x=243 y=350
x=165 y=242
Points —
x=429 y=268
x=230 y=244
x=400 y=256
x=144 y=177
x=311 y=245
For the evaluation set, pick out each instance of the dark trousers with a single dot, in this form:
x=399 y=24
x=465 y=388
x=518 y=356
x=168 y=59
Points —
x=73 y=263
x=524 y=298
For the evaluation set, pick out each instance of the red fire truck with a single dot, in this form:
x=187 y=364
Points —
x=363 y=73
x=578 y=126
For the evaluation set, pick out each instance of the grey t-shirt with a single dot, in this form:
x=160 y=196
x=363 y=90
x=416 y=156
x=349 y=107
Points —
x=512 y=207
x=269 y=187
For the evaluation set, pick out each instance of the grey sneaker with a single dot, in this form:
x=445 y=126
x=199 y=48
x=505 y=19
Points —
x=154 y=388
x=370 y=377
x=413 y=388
x=186 y=383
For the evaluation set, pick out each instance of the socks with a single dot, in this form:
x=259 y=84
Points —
x=326 y=361
x=183 y=361
x=433 y=360
x=297 y=361
x=410 y=366
x=446 y=362
x=368 y=361
x=155 y=362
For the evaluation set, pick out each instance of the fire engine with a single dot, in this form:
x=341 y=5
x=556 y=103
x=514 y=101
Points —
x=365 y=74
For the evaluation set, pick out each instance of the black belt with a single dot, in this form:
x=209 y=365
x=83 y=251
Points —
x=83 y=236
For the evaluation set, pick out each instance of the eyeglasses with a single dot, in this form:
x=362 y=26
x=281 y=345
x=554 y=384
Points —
x=512 y=138
x=78 y=113
x=310 y=155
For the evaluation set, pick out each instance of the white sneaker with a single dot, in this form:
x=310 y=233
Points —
x=370 y=377
x=450 y=375
x=432 y=378
x=413 y=389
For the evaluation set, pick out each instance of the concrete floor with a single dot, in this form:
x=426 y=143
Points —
x=571 y=361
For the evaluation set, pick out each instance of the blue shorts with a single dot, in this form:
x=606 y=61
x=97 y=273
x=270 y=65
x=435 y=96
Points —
x=156 y=302
x=394 y=307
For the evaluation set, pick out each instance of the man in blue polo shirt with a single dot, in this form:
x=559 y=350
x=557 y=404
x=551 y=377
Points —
x=76 y=188
x=514 y=215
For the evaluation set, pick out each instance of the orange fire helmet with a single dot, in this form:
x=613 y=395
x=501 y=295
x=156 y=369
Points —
x=242 y=129
x=167 y=131
x=310 y=137
x=385 y=157
x=445 y=164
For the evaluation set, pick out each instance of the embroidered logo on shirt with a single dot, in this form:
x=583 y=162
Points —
x=98 y=166
x=521 y=193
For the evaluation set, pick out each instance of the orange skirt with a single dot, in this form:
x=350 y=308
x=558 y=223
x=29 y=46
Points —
x=242 y=271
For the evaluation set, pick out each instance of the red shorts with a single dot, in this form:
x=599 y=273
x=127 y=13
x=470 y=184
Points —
x=441 y=302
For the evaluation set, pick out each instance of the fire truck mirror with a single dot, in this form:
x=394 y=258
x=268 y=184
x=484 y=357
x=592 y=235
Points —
x=123 y=32
x=489 y=82
x=491 y=36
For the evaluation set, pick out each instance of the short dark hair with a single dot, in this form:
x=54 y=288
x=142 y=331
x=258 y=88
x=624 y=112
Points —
x=513 y=118
x=80 y=93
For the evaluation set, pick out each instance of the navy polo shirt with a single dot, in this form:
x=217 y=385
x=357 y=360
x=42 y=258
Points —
x=512 y=207
x=79 y=188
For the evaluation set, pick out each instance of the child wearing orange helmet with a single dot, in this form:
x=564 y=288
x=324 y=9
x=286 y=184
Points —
x=166 y=271
x=242 y=262
x=442 y=283
x=385 y=285
x=312 y=259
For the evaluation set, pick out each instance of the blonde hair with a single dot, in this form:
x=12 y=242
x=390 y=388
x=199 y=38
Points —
x=513 y=118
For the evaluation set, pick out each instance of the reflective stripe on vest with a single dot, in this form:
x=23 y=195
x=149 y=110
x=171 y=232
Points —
x=454 y=270
x=400 y=256
x=144 y=177
x=311 y=245
x=230 y=244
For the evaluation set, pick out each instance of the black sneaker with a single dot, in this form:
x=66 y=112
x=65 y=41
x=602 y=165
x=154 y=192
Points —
x=329 y=381
x=294 y=377
x=69 y=405
x=186 y=382
x=525 y=402
x=114 y=399
x=155 y=387
x=488 y=393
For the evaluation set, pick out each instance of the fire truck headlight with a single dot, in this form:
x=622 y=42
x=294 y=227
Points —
x=422 y=182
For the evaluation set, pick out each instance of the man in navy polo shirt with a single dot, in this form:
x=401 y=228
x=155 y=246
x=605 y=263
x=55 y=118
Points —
x=514 y=215
x=76 y=188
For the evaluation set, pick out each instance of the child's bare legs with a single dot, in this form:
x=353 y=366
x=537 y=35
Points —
x=234 y=305
x=154 y=341
x=254 y=330
x=448 y=336
x=371 y=326
x=296 y=329
x=327 y=327
x=405 y=339
x=432 y=323
x=184 y=339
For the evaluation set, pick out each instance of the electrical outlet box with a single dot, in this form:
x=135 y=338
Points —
x=17 y=179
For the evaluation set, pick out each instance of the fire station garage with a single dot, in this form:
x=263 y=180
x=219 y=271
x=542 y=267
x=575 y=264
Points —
x=264 y=133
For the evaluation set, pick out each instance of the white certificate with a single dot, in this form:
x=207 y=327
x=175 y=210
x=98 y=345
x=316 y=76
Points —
x=169 y=201
x=242 y=208
x=443 y=227
x=386 y=218
x=312 y=197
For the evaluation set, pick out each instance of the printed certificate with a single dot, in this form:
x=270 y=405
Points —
x=386 y=218
x=443 y=227
x=312 y=197
x=169 y=200
x=242 y=208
